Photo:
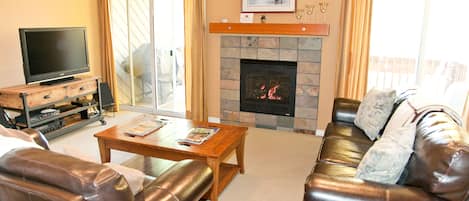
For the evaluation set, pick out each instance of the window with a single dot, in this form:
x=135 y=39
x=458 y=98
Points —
x=423 y=43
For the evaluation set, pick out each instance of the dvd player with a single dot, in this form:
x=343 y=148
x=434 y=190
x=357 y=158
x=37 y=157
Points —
x=37 y=115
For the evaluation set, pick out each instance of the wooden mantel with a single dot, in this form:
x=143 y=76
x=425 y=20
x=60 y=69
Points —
x=270 y=29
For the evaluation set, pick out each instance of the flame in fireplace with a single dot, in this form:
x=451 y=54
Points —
x=270 y=94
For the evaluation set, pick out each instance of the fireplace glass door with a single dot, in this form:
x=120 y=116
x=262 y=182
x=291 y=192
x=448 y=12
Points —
x=268 y=87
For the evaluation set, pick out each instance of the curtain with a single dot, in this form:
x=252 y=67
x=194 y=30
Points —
x=353 y=50
x=195 y=59
x=465 y=113
x=108 y=71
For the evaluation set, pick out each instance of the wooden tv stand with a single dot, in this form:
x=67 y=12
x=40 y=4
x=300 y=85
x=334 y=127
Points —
x=30 y=100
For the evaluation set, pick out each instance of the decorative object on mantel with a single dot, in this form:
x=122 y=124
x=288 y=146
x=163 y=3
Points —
x=268 y=6
x=270 y=29
x=323 y=6
x=309 y=9
x=263 y=19
x=246 y=18
x=299 y=14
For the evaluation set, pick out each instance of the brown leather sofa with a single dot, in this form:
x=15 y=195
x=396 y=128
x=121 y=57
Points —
x=38 y=175
x=437 y=170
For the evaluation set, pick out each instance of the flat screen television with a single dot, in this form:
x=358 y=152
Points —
x=52 y=54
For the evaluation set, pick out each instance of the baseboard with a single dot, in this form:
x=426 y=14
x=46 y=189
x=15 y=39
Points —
x=319 y=132
x=214 y=119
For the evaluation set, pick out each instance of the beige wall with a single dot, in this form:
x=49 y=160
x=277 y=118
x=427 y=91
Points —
x=216 y=10
x=43 y=13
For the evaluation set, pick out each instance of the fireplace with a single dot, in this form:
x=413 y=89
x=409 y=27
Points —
x=251 y=106
x=268 y=87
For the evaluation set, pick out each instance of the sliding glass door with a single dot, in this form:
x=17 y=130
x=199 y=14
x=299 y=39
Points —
x=421 y=47
x=169 y=45
x=148 y=40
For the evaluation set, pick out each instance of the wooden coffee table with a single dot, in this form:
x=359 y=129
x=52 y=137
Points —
x=162 y=144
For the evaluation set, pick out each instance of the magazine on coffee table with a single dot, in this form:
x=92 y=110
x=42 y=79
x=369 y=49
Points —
x=145 y=127
x=198 y=135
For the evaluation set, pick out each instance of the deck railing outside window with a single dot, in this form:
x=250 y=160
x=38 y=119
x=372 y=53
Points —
x=424 y=44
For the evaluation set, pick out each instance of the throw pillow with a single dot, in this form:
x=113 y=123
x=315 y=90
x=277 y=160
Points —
x=134 y=177
x=401 y=97
x=374 y=111
x=7 y=132
x=403 y=115
x=9 y=143
x=385 y=161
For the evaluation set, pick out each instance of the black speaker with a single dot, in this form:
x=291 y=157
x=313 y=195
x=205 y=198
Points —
x=107 y=100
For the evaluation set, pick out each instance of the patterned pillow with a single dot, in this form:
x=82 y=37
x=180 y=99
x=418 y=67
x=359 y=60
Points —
x=385 y=161
x=401 y=97
x=374 y=111
x=401 y=116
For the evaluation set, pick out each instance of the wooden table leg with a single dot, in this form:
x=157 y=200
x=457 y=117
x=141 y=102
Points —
x=240 y=156
x=104 y=152
x=214 y=164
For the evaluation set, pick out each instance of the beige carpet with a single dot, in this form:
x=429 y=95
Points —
x=277 y=162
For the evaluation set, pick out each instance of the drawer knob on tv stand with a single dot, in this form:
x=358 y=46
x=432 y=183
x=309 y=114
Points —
x=82 y=88
x=46 y=96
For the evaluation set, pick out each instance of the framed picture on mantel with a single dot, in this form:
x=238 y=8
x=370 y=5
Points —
x=268 y=6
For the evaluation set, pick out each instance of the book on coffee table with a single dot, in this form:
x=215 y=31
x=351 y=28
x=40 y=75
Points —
x=198 y=135
x=145 y=127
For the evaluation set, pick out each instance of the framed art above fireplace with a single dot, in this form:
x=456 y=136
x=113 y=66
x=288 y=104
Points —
x=268 y=6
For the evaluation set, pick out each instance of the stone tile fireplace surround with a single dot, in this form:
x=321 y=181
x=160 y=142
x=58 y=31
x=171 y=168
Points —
x=306 y=51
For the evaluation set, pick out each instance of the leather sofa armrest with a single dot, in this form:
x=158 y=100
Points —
x=91 y=180
x=15 y=188
x=328 y=188
x=38 y=137
x=344 y=110
x=187 y=180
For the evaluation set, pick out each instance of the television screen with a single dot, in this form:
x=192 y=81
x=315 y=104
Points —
x=52 y=53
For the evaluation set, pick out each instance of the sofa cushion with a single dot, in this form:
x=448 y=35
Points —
x=330 y=188
x=344 y=110
x=344 y=130
x=386 y=159
x=440 y=162
x=334 y=169
x=343 y=151
x=374 y=111
x=185 y=180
